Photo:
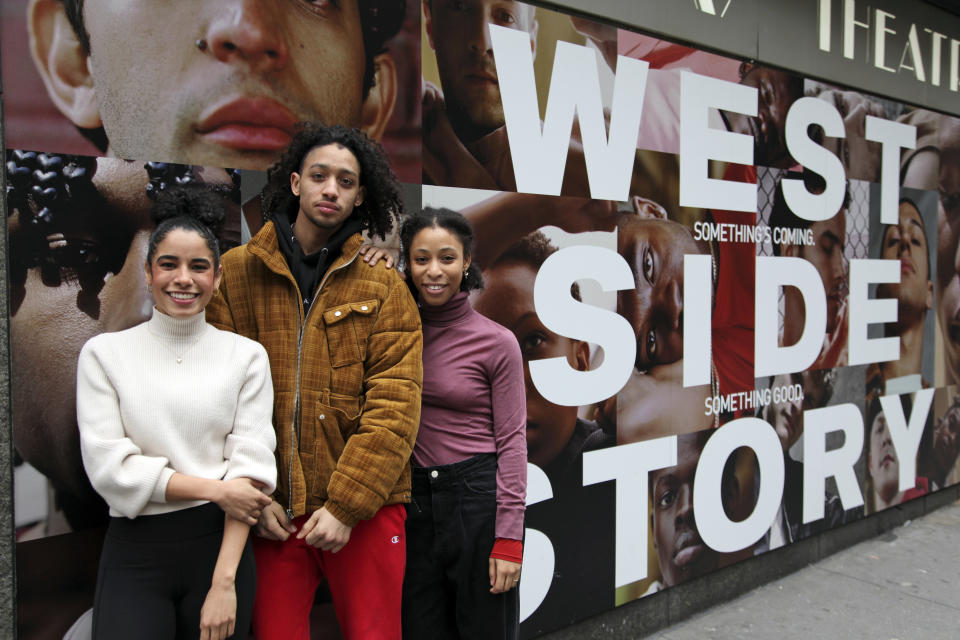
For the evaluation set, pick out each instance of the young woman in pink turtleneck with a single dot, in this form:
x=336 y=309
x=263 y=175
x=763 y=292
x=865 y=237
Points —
x=465 y=519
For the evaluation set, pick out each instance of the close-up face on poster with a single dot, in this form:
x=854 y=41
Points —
x=735 y=288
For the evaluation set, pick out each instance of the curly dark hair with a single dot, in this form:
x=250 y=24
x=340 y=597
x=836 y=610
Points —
x=380 y=20
x=382 y=201
x=452 y=221
x=192 y=208
x=532 y=250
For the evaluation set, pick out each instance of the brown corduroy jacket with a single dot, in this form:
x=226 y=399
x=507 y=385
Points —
x=346 y=378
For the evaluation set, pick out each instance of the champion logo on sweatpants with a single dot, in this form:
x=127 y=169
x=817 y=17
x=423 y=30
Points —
x=395 y=539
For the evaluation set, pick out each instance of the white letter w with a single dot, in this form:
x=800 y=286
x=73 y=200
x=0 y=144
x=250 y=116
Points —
x=540 y=155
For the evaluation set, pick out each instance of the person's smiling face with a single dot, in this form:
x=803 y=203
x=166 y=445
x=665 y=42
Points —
x=437 y=263
x=181 y=275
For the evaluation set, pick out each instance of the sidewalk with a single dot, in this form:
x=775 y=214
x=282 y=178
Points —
x=903 y=585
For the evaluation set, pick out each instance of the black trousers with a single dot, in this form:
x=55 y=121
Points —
x=155 y=572
x=450 y=533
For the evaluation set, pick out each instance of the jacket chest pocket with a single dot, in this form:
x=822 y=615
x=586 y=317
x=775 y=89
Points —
x=348 y=327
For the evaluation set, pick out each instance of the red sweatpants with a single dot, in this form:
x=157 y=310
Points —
x=365 y=579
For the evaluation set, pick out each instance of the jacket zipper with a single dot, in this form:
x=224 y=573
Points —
x=295 y=423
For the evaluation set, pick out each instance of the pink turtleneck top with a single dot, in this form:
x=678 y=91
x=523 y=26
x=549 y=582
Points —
x=474 y=401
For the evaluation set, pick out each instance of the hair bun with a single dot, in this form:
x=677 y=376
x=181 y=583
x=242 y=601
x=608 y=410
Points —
x=193 y=201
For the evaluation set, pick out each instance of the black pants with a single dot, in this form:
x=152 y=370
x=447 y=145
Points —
x=155 y=572
x=450 y=533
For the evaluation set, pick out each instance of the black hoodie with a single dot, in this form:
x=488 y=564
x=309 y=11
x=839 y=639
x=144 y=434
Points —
x=308 y=270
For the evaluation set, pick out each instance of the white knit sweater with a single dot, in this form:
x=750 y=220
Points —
x=172 y=395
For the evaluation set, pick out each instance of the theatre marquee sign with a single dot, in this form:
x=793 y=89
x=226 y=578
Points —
x=908 y=51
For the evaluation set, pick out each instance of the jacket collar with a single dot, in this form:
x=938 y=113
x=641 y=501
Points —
x=265 y=246
x=348 y=252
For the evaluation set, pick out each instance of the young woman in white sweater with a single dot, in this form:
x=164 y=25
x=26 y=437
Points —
x=176 y=435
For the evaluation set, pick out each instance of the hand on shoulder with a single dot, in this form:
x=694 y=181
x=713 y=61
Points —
x=372 y=254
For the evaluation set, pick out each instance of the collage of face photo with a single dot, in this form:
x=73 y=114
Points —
x=467 y=154
x=113 y=113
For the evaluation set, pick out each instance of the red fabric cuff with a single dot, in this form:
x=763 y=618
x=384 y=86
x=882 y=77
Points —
x=507 y=549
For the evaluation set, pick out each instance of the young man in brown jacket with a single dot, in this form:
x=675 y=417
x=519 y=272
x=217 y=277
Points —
x=345 y=345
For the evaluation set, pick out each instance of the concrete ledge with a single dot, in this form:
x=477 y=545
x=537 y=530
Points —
x=632 y=620
x=941 y=498
x=645 y=616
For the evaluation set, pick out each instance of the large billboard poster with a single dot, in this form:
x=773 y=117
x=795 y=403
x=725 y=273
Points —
x=730 y=284
x=105 y=107
x=735 y=288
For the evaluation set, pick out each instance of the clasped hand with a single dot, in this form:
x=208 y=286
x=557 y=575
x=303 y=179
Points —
x=242 y=499
x=321 y=530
